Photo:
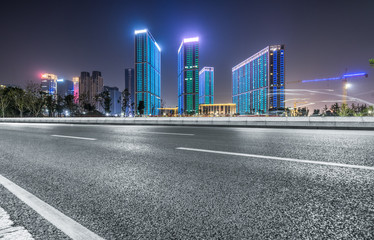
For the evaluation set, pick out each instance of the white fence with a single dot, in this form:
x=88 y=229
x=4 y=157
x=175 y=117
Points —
x=288 y=122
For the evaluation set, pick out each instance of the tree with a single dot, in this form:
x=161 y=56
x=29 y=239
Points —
x=35 y=98
x=316 y=112
x=371 y=61
x=18 y=96
x=141 y=107
x=59 y=105
x=126 y=102
x=345 y=111
x=69 y=104
x=335 y=108
x=50 y=103
x=4 y=100
x=85 y=103
x=105 y=100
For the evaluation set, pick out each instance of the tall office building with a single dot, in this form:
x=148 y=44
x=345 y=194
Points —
x=147 y=72
x=188 y=76
x=129 y=82
x=258 y=82
x=49 y=84
x=206 y=85
x=76 y=89
x=65 y=87
x=90 y=87
x=116 y=100
x=85 y=87
x=97 y=88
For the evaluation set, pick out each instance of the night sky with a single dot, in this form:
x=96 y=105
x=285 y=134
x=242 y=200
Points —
x=322 y=39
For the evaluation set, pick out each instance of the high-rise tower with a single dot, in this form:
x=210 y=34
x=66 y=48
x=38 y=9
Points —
x=206 y=85
x=147 y=72
x=258 y=83
x=49 y=84
x=188 y=76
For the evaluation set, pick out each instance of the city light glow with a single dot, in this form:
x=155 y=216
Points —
x=140 y=31
x=194 y=39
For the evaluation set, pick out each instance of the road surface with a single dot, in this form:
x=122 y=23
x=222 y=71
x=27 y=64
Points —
x=163 y=182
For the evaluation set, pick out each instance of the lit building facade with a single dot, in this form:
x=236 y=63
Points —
x=219 y=109
x=76 y=89
x=65 y=87
x=258 y=83
x=206 y=85
x=90 y=87
x=188 y=76
x=147 y=72
x=49 y=84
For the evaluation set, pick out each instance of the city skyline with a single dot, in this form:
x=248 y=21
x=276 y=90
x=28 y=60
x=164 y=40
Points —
x=316 y=53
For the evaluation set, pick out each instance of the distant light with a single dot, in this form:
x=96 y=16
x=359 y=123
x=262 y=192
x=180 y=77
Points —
x=60 y=80
x=44 y=75
x=194 y=39
x=348 y=85
x=158 y=46
x=322 y=79
x=107 y=114
x=354 y=75
x=140 y=31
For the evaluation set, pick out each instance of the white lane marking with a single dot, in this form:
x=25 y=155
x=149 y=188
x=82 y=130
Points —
x=73 y=137
x=278 y=158
x=8 y=231
x=67 y=225
x=166 y=133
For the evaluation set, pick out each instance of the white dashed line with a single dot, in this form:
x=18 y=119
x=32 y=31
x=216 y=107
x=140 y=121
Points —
x=67 y=225
x=8 y=231
x=278 y=158
x=166 y=133
x=74 y=137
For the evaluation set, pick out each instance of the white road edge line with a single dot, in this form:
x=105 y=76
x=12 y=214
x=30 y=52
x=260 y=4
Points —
x=278 y=158
x=67 y=225
x=181 y=134
x=73 y=137
x=8 y=230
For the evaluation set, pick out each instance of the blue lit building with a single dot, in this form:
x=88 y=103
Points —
x=206 y=85
x=49 y=84
x=188 y=76
x=147 y=72
x=258 y=82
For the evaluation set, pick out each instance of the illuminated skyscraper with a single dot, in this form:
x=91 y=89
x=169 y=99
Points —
x=147 y=72
x=206 y=85
x=188 y=76
x=258 y=82
x=49 y=84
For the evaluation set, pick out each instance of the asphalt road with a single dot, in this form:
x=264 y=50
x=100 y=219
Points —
x=132 y=182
